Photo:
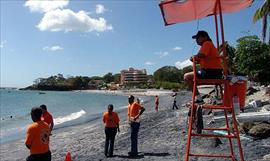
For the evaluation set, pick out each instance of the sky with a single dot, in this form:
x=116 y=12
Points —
x=91 y=38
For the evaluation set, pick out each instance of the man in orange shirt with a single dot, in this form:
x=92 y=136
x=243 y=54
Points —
x=209 y=60
x=111 y=123
x=47 y=117
x=134 y=112
x=38 y=137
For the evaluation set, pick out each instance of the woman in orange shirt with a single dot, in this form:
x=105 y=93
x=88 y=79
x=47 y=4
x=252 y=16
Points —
x=209 y=60
x=111 y=123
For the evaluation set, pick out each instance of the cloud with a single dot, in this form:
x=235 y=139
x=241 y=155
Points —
x=2 y=43
x=100 y=9
x=162 y=54
x=149 y=63
x=53 y=48
x=45 y=5
x=177 y=48
x=181 y=65
x=67 y=20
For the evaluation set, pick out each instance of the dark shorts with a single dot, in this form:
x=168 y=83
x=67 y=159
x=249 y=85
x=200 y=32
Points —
x=210 y=74
x=40 y=157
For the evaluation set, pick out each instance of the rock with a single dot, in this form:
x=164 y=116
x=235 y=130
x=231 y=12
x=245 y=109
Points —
x=217 y=142
x=265 y=108
x=260 y=130
x=267 y=91
x=266 y=157
x=256 y=103
x=251 y=91
x=246 y=126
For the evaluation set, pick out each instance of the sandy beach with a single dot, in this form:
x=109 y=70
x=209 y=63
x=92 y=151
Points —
x=162 y=137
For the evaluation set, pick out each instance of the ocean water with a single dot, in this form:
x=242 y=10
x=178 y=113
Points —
x=67 y=108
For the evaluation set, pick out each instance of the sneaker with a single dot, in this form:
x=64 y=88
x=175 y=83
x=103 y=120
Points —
x=131 y=154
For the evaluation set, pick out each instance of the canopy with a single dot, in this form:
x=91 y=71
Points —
x=175 y=11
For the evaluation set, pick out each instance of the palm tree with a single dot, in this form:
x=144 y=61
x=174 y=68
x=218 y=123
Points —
x=263 y=13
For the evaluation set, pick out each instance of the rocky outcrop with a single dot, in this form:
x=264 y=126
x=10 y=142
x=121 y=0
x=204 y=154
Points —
x=260 y=130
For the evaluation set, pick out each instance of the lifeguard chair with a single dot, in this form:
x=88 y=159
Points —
x=175 y=11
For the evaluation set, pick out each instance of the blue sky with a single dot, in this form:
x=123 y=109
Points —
x=97 y=37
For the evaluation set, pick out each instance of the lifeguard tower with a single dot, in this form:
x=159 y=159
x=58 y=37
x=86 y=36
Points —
x=176 y=11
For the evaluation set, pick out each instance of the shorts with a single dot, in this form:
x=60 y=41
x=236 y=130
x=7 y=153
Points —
x=210 y=74
x=40 y=157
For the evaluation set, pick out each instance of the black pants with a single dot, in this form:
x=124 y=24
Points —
x=40 y=157
x=134 y=127
x=109 y=143
x=174 y=105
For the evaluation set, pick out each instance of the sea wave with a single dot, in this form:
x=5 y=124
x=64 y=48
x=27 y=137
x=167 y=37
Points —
x=70 y=117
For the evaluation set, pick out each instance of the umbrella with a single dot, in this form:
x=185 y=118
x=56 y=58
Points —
x=177 y=11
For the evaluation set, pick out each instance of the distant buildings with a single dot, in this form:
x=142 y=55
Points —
x=133 y=76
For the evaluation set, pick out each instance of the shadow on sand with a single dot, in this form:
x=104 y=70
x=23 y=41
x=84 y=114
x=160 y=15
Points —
x=141 y=155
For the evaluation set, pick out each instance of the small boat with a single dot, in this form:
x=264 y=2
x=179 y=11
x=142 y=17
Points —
x=41 y=93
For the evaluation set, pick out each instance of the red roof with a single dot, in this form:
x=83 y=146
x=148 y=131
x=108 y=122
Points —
x=175 y=11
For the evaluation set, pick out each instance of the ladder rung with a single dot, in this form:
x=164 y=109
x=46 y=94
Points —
x=209 y=106
x=227 y=129
x=214 y=135
x=211 y=155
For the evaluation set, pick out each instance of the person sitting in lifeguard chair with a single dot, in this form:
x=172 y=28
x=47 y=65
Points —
x=209 y=60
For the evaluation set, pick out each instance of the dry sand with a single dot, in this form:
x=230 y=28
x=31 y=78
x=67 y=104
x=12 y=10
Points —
x=162 y=137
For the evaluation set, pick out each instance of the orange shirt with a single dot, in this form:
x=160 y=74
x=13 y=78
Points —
x=212 y=59
x=47 y=117
x=133 y=109
x=38 y=137
x=110 y=120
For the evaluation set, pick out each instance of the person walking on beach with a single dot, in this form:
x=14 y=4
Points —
x=156 y=103
x=209 y=60
x=38 y=137
x=135 y=110
x=46 y=116
x=111 y=123
x=174 y=101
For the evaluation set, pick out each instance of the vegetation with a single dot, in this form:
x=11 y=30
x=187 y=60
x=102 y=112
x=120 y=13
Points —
x=263 y=13
x=60 y=83
x=252 y=58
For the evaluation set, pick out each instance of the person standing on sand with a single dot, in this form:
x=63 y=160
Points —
x=135 y=110
x=156 y=103
x=174 y=101
x=38 y=137
x=111 y=123
x=46 y=116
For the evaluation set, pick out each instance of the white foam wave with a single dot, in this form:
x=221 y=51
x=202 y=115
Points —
x=70 y=117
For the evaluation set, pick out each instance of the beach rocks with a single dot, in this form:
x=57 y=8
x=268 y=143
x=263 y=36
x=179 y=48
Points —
x=267 y=91
x=266 y=157
x=251 y=91
x=265 y=108
x=260 y=130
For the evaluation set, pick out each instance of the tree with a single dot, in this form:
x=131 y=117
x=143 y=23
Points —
x=230 y=50
x=117 y=77
x=252 y=58
x=263 y=13
x=168 y=74
x=108 y=78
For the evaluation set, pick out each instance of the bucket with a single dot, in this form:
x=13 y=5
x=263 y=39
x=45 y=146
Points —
x=239 y=89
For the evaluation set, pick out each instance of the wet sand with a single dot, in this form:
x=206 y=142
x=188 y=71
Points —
x=162 y=137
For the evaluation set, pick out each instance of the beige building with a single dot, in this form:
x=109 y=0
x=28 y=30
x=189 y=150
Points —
x=133 y=76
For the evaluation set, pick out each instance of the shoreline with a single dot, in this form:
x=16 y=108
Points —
x=138 y=92
x=162 y=136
